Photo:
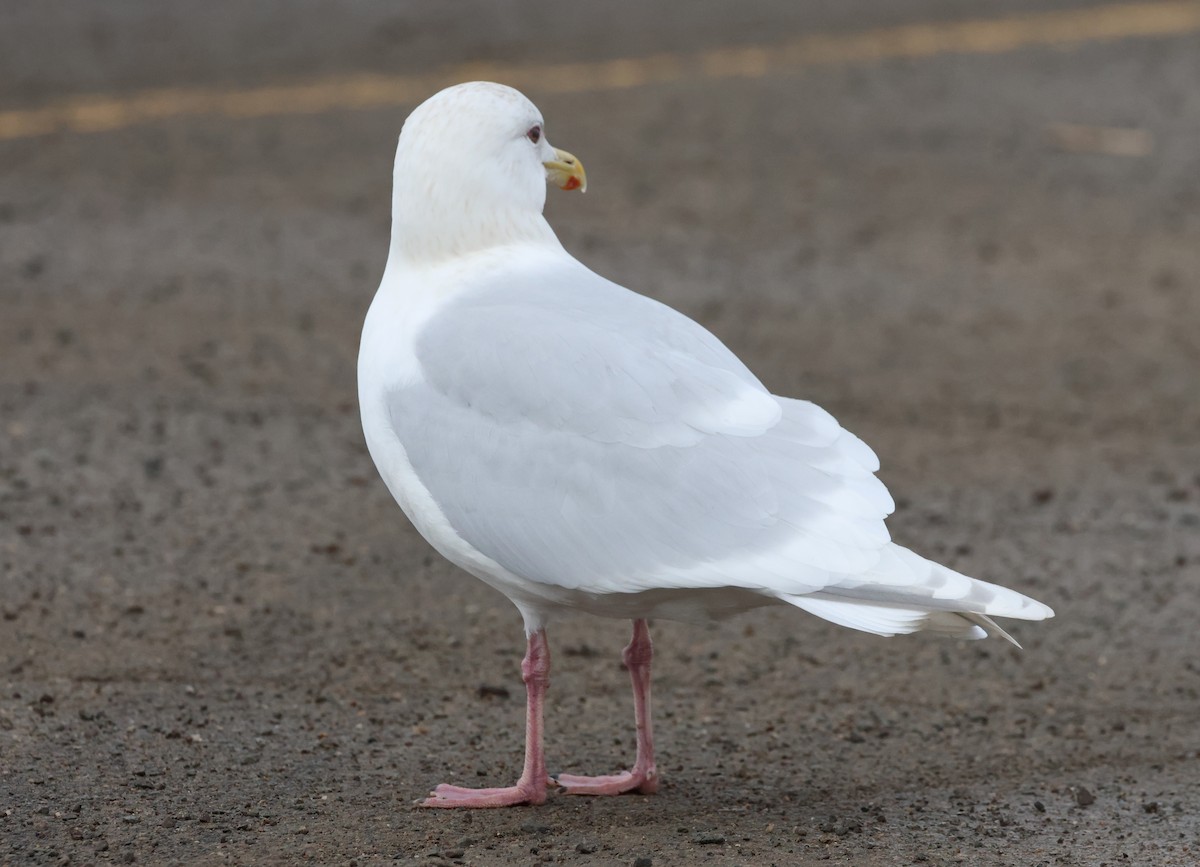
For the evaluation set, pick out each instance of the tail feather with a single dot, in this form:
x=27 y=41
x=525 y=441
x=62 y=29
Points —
x=906 y=593
x=990 y=627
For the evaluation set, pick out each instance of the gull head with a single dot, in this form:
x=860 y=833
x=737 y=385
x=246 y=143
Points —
x=471 y=170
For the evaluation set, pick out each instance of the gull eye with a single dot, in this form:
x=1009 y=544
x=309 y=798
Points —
x=534 y=134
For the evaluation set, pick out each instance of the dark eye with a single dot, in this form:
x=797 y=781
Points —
x=534 y=134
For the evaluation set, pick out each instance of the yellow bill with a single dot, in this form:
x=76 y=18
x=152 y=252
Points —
x=566 y=171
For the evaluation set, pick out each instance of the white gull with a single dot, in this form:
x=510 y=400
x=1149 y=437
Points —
x=578 y=446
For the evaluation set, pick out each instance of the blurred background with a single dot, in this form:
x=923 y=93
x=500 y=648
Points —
x=971 y=230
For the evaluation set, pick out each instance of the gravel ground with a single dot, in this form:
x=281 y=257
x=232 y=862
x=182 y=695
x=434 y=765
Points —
x=220 y=642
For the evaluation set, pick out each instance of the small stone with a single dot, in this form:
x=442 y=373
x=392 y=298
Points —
x=708 y=839
x=1039 y=806
x=1083 y=797
x=586 y=848
x=644 y=862
x=842 y=827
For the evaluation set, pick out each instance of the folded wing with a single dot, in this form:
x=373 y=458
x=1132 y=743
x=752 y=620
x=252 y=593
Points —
x=589 y=438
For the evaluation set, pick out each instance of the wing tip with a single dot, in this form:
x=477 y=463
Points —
x=1028 y=609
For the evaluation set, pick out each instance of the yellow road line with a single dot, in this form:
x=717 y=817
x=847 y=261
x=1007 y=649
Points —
x=988 y=36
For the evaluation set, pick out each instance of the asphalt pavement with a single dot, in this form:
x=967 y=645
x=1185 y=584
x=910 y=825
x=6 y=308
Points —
x=969 y=230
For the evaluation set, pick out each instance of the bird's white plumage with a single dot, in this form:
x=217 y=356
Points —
x=578 y=445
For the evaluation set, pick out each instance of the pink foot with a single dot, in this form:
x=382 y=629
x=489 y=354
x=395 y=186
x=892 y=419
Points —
x=531 y=788
x=644 y=776
x=610 y=784
x=458 y=796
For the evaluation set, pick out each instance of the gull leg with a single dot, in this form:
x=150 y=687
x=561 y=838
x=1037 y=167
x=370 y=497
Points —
x=644 y=776
x=531 y=788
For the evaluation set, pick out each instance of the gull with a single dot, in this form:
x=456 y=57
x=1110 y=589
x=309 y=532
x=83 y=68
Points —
x=581 y=447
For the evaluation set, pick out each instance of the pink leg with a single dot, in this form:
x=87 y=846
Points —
x=644 y=776
x=531 y=788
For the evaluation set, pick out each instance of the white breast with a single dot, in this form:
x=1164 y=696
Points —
x=386 y=363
